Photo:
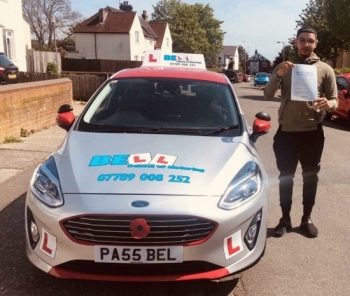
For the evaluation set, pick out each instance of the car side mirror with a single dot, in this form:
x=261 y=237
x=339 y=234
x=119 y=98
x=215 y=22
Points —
x=65 y=108
x=261 y=125
x=65 y=117
x=345 y=92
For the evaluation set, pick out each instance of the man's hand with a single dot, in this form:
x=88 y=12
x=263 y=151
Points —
x=283 y=68
x=321 y=104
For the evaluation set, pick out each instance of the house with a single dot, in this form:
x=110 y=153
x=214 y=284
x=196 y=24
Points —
x=14 y=32
x=258 y=63
x=227 y=53
x=120 y=34
x=343 y=60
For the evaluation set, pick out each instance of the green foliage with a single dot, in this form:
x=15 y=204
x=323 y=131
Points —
x=337 y=15
x=339 y=71
x=319 y=14
x=289 y=53
x=243 y=58
x=52 y=67
x=12 y=139
x=193 y=27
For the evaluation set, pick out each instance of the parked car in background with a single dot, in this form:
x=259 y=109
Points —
x=246 y=78
x=343 y=111
x=261 y=78
x=232 y=75
x=8 y=70
x=160 y=211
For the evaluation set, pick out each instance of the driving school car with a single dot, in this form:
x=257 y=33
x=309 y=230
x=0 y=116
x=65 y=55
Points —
x=158 y=179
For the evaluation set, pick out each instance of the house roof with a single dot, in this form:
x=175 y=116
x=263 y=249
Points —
x=258 y=57
x=115 y=21
x=228 y=50
x=159 y=29
x=147 y=29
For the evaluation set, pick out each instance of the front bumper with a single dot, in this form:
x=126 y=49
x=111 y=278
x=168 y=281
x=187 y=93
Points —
x=223 y=252
x=261 y=82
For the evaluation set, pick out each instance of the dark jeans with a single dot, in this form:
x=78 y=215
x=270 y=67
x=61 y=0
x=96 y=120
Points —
x=291 y=148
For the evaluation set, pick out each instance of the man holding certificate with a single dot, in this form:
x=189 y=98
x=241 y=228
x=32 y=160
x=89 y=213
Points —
x=308 y=87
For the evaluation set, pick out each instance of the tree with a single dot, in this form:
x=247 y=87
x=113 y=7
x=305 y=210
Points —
x=330 y=45
x=48 y=18
x=337 y=15
x=289 y=52
x=243 y=58
x=193 y=27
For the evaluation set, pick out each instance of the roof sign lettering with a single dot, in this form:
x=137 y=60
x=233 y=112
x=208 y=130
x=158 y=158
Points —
x=156 y=58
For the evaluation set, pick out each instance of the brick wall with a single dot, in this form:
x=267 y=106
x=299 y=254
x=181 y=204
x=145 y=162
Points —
x=32 y=106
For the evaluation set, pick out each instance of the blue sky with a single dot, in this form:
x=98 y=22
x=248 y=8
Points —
x=254 y=24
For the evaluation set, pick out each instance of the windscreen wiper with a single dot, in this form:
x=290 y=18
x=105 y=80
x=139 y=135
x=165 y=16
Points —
x=222 y=129
x=148 y=130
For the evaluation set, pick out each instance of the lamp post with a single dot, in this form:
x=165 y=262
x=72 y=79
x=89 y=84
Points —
x=282 y=49
x=245 y=60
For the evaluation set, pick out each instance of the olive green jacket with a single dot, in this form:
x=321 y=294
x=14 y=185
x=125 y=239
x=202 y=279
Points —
x=296 y=115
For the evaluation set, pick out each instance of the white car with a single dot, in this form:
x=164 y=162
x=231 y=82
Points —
x=158 y=179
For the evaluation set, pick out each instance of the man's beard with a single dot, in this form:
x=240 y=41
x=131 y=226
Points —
x=305 y=55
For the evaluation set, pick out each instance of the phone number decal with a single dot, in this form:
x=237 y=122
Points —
x=144 y=177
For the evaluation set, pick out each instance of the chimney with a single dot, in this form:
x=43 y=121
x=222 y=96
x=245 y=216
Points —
x=102 y=15
x=125 y=6
x=145 y=15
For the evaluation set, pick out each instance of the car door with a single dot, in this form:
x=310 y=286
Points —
x=343 y=108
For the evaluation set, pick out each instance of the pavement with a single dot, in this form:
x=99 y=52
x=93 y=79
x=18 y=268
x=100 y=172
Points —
x=16 y=158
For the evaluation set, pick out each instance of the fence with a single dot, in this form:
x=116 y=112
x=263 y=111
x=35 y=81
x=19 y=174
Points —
x=37 y=60
x=86 y=75
x=83 y=85
x=107 y=66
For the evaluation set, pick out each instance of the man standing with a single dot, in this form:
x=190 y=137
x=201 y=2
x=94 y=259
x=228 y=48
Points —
x=300 y=136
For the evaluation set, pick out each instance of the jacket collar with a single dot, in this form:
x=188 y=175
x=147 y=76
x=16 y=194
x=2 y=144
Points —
x=301 y=60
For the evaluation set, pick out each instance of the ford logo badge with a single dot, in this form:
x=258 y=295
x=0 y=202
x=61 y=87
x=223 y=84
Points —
x=140 y=203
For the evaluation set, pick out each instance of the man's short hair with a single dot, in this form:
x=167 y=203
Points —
x=306 y=29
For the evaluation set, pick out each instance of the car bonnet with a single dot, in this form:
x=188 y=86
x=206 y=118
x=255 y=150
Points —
x=98 y=163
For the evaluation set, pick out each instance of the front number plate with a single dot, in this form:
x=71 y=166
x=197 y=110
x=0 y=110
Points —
x=125 y=254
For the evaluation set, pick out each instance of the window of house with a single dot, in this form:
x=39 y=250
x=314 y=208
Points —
x=167 y=42
x=137 y=37
x=9 y=44
x=264 y=64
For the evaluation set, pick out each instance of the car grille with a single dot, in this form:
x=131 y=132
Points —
x=114 y=230
x=91 y=267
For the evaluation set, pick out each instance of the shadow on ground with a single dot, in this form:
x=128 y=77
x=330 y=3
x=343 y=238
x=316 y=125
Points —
x=19 y=277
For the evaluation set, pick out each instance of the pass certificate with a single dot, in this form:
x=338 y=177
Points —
x=304 y=83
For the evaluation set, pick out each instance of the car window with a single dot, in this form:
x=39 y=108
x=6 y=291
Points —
x=342 y=84
x=5 y=61
x=159 y=102
x=261 y=75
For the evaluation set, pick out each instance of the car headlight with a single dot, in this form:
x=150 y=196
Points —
x=46 y=184
x=245 y=185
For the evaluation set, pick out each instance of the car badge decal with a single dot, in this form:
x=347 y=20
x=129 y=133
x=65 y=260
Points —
x=140 y=204
x=139 y=228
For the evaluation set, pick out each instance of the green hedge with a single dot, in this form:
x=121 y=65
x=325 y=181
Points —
x=338 y=71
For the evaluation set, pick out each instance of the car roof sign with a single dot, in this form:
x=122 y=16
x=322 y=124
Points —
x=157 y=58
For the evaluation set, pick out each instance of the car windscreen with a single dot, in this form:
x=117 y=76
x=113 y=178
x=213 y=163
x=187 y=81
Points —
x=261 y=75
x=4 y=61
x=163 y=105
